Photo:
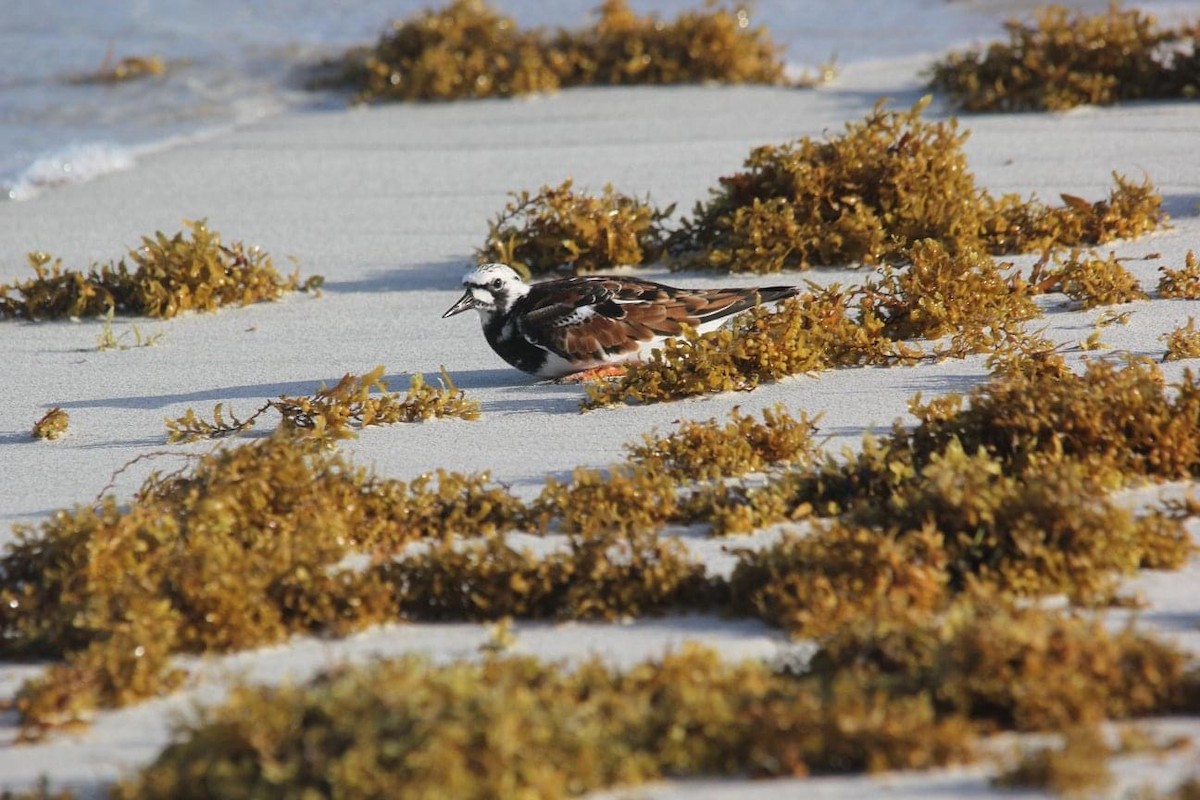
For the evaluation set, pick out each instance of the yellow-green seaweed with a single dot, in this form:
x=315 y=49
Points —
x=52 y=424
x=1183 y=283
x=333 y=412
x=189 y=271
x=1183 y=342
x=243 y=550
x=468 y=50
x=1063 y=58
x=516 y=727
x=870 y=194
x=559 y=230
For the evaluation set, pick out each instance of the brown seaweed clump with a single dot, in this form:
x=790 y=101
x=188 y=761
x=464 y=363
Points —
x=468 y=50
x=709 y=450
x=560 y=230
x=1184 y=283
x=129 y=68
x=1188 y=790
x=464 y=50
x=603 y=574
x=334 y=412
x=870 y=195
x=593 y=502
x=251 y=544
x=1044 y=531
x=162 y=278
x=818 y=330
x=1079 y=767
x=813 y=585
x=716 y=44
x=1121 y=421
x=1062 y=59
x=1013 y=485
x=878 y=695
x=512 y=727
x=243 y=550
x=862 y=197
x=1183 y=342
x=1035 y=421
x=1021 y=669
x=52 y=424
x=1092 y=281
x=892 y=186
x=1014 y=225
x=940 y=293
x=927 y=534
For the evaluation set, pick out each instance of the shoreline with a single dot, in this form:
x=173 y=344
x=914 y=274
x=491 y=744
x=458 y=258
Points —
x=217 y=82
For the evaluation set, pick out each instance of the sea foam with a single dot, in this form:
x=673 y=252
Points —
x=76 y=163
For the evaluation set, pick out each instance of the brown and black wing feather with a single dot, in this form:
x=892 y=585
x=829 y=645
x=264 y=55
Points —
x=599 y=317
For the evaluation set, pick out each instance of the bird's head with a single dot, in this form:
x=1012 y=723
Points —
x=490 y=289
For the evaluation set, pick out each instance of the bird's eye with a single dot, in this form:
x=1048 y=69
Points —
x=497 y=283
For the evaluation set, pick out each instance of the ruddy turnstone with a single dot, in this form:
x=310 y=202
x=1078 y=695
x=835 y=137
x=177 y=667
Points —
x=583 y=325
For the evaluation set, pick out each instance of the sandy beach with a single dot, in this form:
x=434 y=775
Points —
x=388 y=204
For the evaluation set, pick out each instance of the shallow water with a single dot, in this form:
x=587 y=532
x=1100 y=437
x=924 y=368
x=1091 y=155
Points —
x=231 y=62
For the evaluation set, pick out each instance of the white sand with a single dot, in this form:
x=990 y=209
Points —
x=388 y=204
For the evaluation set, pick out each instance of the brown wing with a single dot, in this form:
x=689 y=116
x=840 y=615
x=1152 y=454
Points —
x=581 y=318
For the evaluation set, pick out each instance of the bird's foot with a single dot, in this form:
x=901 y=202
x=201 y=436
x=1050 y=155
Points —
x=594 y=374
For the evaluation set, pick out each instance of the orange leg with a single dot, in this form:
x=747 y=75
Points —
x=595 y=373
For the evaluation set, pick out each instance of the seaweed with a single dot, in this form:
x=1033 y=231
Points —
x=717 y=44
x=606 y=575
x=108 y=340
x=243 y=550
x=52 y=424
x=333 y=412
x=464 y=50
x=1011 y=224
x=129 y=68
x=1079 y=767
x=1061 y=59
x=879 y=694
x=939 y=293
x=1047 y=530
x=1014 y=482
x=861 y=197
x=1119 y=420
x=559 y=230
x=1033 y=421
x=871 y=194
x=468 y=50
x=513 y=726
x=622 y=499
x=707 y=450
x=1188 y=790
x=192 y=428
x=1004 y=495
x=162 y=278
x=1093 y=281
x=1183 y=342
x=812 y=585
x=1023 y=669
x=1184 y=283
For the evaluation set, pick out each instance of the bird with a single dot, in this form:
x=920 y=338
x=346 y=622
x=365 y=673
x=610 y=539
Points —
x=581 y=327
